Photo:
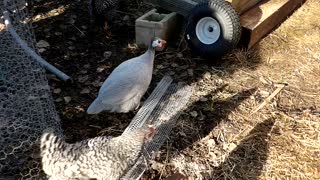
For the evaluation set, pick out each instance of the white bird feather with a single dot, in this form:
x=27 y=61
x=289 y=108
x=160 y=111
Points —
x=123 y=89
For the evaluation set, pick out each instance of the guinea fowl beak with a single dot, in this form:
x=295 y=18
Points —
x=163 y=43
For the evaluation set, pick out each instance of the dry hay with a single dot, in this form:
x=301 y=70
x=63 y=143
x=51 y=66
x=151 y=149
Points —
x=282 y=140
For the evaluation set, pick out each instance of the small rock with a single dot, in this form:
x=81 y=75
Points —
x=42 y=44
x=67 y=99
x=193 y=113
x=107 y=54
x=85 y=91
x=84 y=27
x=57 y=91
x=190 y=72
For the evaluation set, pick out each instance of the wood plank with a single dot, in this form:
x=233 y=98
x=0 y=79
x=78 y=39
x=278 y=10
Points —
x=262 y=19
x=242 y=6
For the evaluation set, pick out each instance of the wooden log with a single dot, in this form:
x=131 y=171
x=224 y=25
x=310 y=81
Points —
x=262 y=19
x=243 y=5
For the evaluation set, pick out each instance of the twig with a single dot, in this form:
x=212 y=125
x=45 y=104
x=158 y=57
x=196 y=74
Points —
x=268 y=99
x=82 y=33
x=166 y=161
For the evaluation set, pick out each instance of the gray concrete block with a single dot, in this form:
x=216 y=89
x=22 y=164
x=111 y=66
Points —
x=153 y=24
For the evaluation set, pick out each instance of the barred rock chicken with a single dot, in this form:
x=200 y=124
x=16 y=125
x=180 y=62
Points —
x=99 y=158
x=103 y=11
x=123 y=89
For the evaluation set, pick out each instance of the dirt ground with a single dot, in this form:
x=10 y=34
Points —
x=217 y=137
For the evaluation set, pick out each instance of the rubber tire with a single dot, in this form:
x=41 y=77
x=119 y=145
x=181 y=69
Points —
x=230 y=28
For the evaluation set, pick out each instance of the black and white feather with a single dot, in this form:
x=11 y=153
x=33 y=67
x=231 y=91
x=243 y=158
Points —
x=103 y=10
x=99 y=158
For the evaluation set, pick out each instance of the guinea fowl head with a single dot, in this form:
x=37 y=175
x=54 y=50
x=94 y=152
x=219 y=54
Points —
x=158 y=44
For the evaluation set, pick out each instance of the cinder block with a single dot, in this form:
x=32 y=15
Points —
x=153 y=24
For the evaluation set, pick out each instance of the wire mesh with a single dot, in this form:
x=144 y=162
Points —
x=163 y=117
x=26 y=105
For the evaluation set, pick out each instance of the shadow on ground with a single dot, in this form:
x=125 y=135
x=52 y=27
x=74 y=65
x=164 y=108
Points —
x=249 y=157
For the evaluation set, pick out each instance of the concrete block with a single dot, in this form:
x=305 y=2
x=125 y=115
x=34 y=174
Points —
x=154 y=24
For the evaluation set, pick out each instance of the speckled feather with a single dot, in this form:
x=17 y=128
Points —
x=103 y=9
x=100 y=157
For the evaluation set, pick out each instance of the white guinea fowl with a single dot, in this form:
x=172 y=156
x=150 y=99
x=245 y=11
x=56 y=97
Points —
x=123 y=89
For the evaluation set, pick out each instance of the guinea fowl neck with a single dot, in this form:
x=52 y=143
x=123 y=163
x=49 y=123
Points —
x=151 y=52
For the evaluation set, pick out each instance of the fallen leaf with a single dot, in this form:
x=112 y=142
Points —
x=67 y=99
x=42 y=44
x=107 y=54
x=83 y=79
x=57 y=91
x=85 y=91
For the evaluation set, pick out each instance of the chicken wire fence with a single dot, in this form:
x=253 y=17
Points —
x=26 y=105
x=162 y=109
x=27 y=108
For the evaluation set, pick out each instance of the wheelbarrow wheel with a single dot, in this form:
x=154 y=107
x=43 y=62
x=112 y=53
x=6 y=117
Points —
x=212 y=28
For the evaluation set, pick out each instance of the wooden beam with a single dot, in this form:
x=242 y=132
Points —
x=243 y=5
x=262 y=19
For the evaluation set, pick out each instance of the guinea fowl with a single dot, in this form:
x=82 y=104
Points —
x=102 y=10
x=99 y=158
x=122 y=91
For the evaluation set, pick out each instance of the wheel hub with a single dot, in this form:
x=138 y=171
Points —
x=208 y=30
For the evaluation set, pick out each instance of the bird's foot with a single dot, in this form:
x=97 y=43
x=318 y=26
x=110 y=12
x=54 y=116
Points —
x=137 y=107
